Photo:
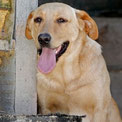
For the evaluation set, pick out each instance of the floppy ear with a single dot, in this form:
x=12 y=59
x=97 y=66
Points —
x=90 y=25
x=28 y=30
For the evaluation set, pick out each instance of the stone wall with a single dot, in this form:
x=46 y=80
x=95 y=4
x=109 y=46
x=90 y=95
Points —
x=110 y=37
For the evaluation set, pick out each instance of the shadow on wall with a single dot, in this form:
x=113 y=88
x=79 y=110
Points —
x=105 y=8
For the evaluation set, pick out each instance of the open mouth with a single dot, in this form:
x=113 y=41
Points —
x=59 y=51
x=62 y=50
x=49 y=57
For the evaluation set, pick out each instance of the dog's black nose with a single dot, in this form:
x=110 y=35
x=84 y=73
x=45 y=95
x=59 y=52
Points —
x=44 y=38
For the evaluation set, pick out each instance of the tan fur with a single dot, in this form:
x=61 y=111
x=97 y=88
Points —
x=80 y=83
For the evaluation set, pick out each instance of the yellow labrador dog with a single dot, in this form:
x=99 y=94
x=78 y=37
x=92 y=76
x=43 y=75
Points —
x=72 y=77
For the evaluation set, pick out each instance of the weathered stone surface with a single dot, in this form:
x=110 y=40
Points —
x=7 y=15
x=25 y=94
x=7 y=82
x=39 y=118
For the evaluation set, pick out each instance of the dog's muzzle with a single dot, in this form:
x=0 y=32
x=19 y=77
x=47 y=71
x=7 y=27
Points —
x=49 y=56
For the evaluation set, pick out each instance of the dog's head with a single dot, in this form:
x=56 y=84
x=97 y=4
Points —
x=55 y=26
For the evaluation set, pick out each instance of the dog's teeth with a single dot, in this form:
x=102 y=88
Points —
x=56 y=51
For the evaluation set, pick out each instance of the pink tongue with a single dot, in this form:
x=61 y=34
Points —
x=47 y=60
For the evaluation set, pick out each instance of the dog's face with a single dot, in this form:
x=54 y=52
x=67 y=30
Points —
x=57 y=22
x=55 y=26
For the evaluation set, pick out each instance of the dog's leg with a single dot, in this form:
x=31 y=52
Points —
x=100 y=116
x=101 y=110
x=110 y=113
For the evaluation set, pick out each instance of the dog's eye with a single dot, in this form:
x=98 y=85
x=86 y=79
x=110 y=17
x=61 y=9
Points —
x=61 y=20
x=38 y=20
